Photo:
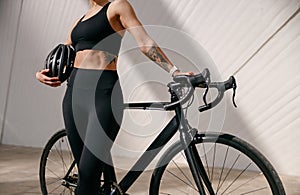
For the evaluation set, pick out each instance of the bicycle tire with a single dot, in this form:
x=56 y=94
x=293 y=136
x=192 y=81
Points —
x=51 y=179
x=164 y=174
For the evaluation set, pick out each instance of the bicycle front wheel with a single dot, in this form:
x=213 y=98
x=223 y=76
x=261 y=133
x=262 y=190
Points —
x=232 y=165
x=58 y=173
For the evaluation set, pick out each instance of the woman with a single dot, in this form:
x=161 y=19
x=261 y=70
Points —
x=103 y=19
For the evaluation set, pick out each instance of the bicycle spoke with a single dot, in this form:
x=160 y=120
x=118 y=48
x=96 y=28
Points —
x=236 y=178
x=229 y=171
x=53 y=162
x=182 y=154
x=213 y=165
x=63 y=192
x=223 y=167
x=61 y=151
x=56 y=162
x=55 y=189
x=182 y=180
x=251 y=179
x=70 y=157
x=70 y=152
x=167 y=193
x=182 y=172
x=50 y=183
x=254 y=191
x=53 y=172
x=232 y=167
x=61 y=156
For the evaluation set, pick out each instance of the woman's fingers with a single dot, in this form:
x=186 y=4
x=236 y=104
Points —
x=44 y=71
x=183 y=73
x=51 y=81
x=187 y=73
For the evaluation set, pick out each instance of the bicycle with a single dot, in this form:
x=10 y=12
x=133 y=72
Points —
x=205 y=163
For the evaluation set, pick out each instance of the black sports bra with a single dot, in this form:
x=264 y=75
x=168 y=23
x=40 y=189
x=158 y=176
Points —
x=96 y=33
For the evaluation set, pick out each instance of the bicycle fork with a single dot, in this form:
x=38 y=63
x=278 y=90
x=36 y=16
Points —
x=196 y=166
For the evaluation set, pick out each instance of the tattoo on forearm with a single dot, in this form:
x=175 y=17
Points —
x=155 y=55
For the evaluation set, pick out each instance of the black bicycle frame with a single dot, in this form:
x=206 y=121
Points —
x=176 y=123
x=167 y=133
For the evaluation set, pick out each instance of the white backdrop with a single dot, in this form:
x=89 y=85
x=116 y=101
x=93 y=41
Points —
x=256 y=40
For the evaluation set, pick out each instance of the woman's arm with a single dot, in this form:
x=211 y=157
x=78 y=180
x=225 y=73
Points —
x=146 y=44
x=43 y=78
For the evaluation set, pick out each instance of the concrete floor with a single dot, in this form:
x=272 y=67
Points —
x=19 y=174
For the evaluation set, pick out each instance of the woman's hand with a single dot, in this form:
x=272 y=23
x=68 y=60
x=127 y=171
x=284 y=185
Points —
x=177 y=72
x=43 y=78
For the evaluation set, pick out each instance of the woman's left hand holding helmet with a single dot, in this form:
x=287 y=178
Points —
x=43 y=78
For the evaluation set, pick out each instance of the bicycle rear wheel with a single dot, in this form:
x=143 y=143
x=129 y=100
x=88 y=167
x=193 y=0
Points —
x=232 y=166
x=58 y=173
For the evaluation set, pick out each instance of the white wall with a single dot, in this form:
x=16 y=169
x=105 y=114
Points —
x=33 y=110
x=256 y=40
x=8 y=31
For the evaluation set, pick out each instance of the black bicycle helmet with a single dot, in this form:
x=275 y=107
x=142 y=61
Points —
x=60 y=62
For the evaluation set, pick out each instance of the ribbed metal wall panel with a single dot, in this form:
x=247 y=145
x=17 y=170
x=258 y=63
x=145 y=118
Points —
x=9 y=15
x=34 y=110
x=231 y=31
x=269 y=97
x=258 y=40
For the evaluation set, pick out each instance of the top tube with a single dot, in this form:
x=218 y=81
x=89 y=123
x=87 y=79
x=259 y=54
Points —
x=146 y=105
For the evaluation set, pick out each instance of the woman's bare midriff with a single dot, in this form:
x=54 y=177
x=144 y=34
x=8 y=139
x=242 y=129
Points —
x=93 y=59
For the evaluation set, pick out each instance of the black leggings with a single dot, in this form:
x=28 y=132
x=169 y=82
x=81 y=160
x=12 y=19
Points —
x=93 y=112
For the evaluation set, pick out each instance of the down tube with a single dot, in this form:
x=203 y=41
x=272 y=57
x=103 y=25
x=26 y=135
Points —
x=155 y=147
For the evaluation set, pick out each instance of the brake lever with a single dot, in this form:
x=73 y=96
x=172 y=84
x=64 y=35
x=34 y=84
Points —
x=205 y=94
x=206 y=75
x=234 y=86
